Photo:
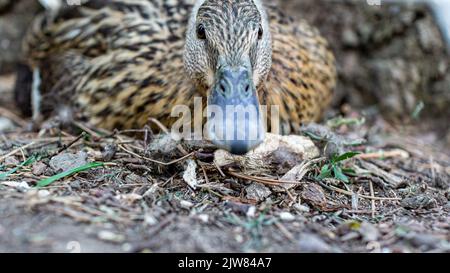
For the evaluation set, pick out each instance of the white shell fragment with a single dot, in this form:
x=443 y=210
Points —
x=190 y=174
x=274 y=147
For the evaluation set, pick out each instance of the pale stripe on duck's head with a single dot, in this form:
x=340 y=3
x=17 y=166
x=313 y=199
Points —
x=234 y=31
x=231 y=28
x=228 y=54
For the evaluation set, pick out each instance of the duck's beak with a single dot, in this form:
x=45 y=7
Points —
x=235 y=122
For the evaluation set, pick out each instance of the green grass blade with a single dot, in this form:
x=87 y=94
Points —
x=339 y=121
x=50 y=180
x=349 y=171
x=325 y=172
x=313 y=136
x=345 y=156
x=27 y=162
x=417 y=110
x=338 y=174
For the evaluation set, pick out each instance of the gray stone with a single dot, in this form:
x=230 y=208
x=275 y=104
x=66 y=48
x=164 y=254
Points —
x=39 y=168
x=257 y=192
x=312 y=243
x=68 y=161
x=369 y=232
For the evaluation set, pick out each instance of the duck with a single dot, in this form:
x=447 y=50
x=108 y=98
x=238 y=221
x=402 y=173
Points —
x=115 y=64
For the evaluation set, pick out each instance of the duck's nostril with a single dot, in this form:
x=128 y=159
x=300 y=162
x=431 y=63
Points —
x=222 y=87
x=247 y=89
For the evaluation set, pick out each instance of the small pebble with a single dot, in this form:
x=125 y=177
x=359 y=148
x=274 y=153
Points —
x=21 y=186
x=311 y=243
x=127 y=247
x=204 y=218
x=76 y=185
x=350 y=236
x=150 y=220
x=11 y=161
x=6 y=125
x=421 y=201
x=186 y=204
x=369 y=232
x=109 y=152
x=135 y=179
x=424 y=240
x=43 y=194
x=251 y=211
x=129 y=198
x=301 y=208
x=109 y=236
x=39 y=168
x=287 y=216
x=190 y=173
x=258 y=192
x=68 y=161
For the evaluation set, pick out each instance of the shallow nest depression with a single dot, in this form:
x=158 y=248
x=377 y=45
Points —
x=358 y=186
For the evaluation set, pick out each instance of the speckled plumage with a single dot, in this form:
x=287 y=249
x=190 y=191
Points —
x=117 y=63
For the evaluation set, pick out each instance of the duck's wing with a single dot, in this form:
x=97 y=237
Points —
x=303 y=73
x=59 y=46
x=102 y=47
x=97 y=26
x=90 y=29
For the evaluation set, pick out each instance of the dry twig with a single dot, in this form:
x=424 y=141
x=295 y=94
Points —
x=17 y=150
x=349 y=193
x=263 y=180
x=156 y=161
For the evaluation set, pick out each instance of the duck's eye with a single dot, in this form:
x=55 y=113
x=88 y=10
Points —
x=201 y=32
x=260 y=32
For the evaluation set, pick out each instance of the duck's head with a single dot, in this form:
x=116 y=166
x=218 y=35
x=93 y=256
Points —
x=228 y=54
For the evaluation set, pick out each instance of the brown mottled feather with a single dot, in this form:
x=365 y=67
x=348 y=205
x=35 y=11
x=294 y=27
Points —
x=119 y=62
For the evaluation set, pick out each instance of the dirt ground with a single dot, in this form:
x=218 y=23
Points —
x=134 y=204
x=117 y=193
